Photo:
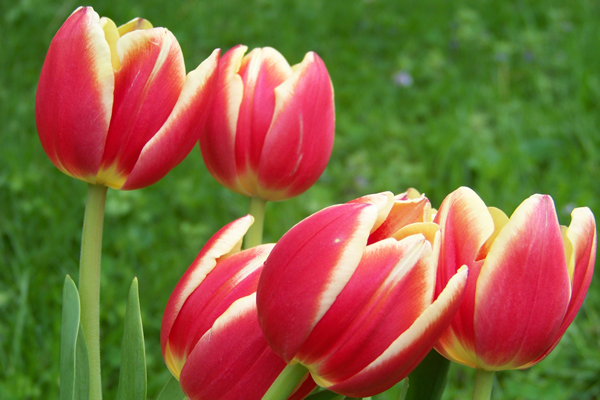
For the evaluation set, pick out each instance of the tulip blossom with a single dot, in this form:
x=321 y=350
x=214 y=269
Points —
x=349 y=293
x=114 y=106
x=528 y=277
x=270 y=131
x=210 y=337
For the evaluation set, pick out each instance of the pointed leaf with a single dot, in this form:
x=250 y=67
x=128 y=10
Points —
x=82 y=370
x=171 y=391
x=428 y=380
x=132 y=379
x=74 y=363
x=324 y=395
x=397 y=392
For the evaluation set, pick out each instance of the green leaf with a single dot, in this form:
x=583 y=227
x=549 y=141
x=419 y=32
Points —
x=324 y=395
x=396 y=392
x=74 y=362
x=132 y=379
x=171 y=391
x=82 y=370
x=428 y=380
x=404 y=388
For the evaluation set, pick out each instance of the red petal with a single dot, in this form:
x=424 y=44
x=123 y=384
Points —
x=262 y=70
x=75 y=96
x=217 y=141
x=228 y=240
x=406 y=352
x=147 y=86
x=390 y=289
x=176 y=138
x=307 y=269
x=232 y=360
x=523 y=289
x=465 y=224
x=232 y=278
x=582 y=234
x=300 y=139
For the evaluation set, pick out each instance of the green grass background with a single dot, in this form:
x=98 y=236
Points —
x=505 y=98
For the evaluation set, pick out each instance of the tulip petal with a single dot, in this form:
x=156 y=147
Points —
x=500 y=219
x=427 y=229
x=390 y=289
x=524 y=280
x=182 y=130
x=409 y=349
x=75 y=96
x=404 y=212
x=233 y=278
x=300 y=139
x=383 y=201
x=232 y=360
x=111 y=35
x=262 y=70
x=217 y=141
x=227 y=241
x=582 y=234
x=147 y=86
x=466 y=225
x=307 y=269
x=135 y=24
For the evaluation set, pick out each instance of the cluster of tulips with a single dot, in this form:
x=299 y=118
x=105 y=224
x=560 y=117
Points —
x=352 y=298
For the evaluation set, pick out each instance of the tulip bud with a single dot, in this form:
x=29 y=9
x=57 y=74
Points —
x=210 y=337
x=114 y=106
x=349 y=293
x=270 y=131
x=528 y=277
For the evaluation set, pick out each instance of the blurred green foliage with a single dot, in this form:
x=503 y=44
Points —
x=501 y=96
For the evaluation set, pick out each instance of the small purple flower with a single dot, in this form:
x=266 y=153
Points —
x=403 y=78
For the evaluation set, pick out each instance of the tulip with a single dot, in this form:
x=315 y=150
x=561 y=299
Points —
x=210 y=337
x=528 y=277
x=114 y=106
x=349 y=293
x=270 y=131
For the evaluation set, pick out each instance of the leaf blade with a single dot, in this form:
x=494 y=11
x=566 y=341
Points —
x=132 y=378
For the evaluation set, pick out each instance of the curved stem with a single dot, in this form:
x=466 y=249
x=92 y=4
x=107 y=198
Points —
x=89 y=281
x=483 y=384
x=286 y=382
x=257 y=210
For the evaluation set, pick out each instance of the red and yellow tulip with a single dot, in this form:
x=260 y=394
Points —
x=270 y=131
x=349 y=293
x=114 y=105
x=210 y=337
x=528 y=277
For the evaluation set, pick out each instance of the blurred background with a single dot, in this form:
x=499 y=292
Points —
x=501 y=96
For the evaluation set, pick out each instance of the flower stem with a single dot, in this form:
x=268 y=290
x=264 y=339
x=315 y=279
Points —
x=89 y=281
x=257 y=210
x=286 y=382
x=483 y=384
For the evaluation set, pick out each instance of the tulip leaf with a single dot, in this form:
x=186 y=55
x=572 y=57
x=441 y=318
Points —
x=396 y=392
x=324 y=395
x=171 y=391
x=74 y=362
x=428 y=380
x=132 y=379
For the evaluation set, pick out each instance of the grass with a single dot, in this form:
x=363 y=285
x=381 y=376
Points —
x=503 y=97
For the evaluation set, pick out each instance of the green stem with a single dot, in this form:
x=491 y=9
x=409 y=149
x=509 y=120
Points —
x=89 y=281
x=483 y=384
x=286 y=382
x=257 y=210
